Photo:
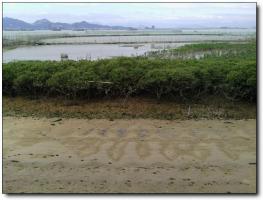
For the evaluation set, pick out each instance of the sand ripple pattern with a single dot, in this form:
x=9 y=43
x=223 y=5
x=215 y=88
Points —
x=128 y=156
x=170 y=140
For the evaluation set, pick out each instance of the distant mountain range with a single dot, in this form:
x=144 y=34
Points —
x=44 y=24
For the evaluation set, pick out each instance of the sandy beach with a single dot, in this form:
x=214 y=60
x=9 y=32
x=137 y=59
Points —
x=57 y=155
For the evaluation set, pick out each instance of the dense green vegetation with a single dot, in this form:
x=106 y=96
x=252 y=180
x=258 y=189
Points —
x=232 y=75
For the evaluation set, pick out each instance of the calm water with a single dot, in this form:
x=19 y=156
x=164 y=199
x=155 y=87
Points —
x=94 y=44
x=141 y=39
x=47 y=33
x=77 y=52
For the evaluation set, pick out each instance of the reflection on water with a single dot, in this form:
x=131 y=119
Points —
x=77 y=52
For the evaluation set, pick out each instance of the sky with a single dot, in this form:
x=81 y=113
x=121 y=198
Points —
x=161 y=15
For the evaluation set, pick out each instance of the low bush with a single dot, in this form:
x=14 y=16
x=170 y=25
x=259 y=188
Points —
x=231 y=76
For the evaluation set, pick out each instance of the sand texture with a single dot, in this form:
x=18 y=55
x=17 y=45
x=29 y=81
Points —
x=128 y=156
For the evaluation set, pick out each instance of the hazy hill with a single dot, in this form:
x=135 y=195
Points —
x=44 y=24
x=15 y=24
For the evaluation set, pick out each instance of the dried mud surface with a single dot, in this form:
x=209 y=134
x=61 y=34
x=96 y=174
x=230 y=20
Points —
x=128 y=156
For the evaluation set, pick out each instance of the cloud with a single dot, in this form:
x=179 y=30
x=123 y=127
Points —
x=136 y=14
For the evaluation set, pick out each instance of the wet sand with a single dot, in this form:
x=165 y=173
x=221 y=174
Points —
x=128 y=156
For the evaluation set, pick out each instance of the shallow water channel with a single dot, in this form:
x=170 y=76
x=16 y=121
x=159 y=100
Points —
x=85 y=51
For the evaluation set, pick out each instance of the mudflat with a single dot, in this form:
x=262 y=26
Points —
x=57 y=155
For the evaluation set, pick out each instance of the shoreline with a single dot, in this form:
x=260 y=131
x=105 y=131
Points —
x=132 y=108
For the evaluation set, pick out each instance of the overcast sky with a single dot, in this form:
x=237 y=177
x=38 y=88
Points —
x=162 y=15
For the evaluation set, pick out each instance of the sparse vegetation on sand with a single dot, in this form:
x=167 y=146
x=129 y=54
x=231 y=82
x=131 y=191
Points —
x=133 y=108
